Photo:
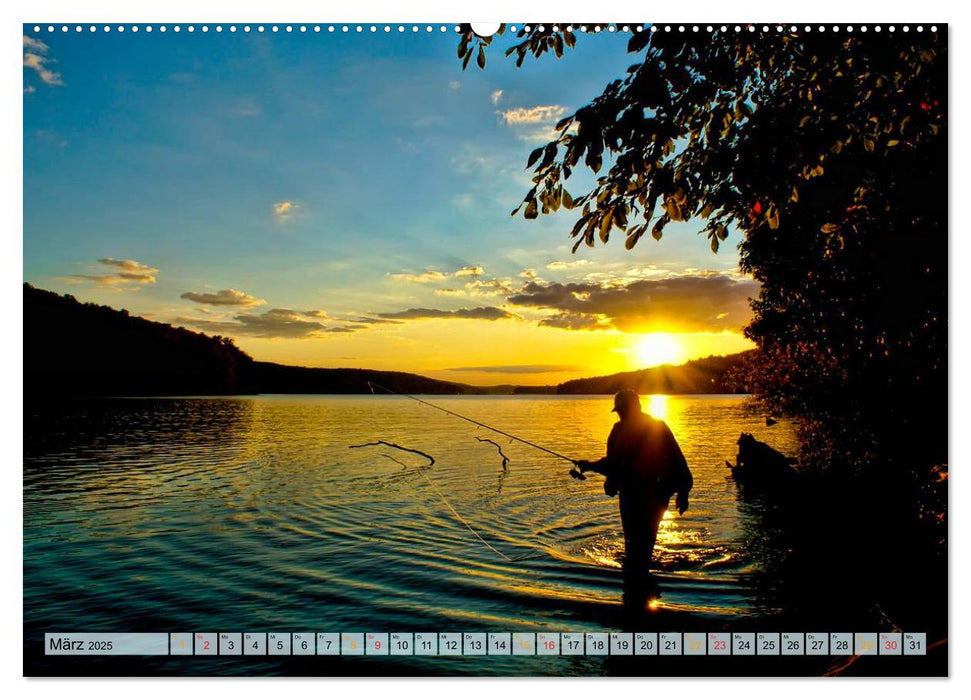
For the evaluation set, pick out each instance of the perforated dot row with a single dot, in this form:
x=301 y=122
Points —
x=232 y=28
x=428 y=28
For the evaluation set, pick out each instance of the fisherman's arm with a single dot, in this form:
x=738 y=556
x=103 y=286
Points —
x=682 y=480
x=604 y=465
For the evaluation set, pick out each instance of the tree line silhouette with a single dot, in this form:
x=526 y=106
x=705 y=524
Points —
x=79 y=349
x=83 y=349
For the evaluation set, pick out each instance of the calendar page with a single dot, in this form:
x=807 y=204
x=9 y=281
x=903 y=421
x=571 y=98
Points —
x=519 y=349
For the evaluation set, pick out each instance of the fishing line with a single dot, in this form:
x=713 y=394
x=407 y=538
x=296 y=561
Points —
x=471 y=529
x=463 y=520
x=441 y=495
x=470 y=420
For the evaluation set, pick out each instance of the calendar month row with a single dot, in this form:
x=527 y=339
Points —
x=487 y=644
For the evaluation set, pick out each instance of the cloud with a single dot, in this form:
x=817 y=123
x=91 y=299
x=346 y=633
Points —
x=534 y=115
x=127 y=274
x=476 y=286
x=29 y=89
x=438 y=276
x=534 y=123
x=283 y=210
x=375 y=320
x=35 y=59
x=569 y=265
x=353 y=328
x=275 y=323
x=131 y=270
x=454 y=84
x=519 y=369
x=224 y=297
x=690 y=303
x=496 y=96
x=482 y=313
x=35 y=44
x=577 y=322
x=421 y=278
x=479 y=288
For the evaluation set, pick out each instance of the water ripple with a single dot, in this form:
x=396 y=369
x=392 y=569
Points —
x=253 y=513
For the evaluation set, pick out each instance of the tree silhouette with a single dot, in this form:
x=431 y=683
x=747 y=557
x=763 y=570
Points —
x=827 y=153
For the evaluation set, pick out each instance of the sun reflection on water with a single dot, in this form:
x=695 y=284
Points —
x=657 y=405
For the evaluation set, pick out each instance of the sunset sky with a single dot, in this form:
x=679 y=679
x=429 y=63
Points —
x=343 y=200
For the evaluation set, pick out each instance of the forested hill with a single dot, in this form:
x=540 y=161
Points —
x=717 y=374
x=79 y=349
x=72 y=348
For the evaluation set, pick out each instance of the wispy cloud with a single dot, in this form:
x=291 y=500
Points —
x=568 y=265
x=482 y=313
x=479 y=288
x=275 y=323
x=224 y=297
x=369 y=321
x=36 y=58
x=34 y=44
x=533 y=115
x=284 y=210
x=454 y=84
x=438 y=276
x=533 y=123
x=315 y=313
x=29 y=89
x=496 y=96
x=131 y=269
x=122 y=274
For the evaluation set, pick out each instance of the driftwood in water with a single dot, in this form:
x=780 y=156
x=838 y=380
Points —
x=505 y=459
x=397 y=461
x=431 y=460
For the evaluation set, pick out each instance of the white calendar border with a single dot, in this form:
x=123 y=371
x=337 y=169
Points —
x=15 y=14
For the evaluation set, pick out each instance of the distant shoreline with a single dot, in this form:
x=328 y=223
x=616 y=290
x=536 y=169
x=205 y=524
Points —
x=113 y=353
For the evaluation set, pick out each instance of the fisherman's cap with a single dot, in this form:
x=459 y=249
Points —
x=625 y=398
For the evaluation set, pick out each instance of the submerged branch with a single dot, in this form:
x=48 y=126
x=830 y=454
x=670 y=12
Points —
x=431 y=460
x=397 y=461
x=505 y=459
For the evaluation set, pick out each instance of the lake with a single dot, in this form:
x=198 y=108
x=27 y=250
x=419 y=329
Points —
x=249 y=514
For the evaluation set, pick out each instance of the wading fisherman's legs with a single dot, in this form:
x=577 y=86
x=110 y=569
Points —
x=640 y=518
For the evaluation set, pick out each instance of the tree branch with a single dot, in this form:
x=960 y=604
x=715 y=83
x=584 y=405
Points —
x=505 y=459
x=431 y=460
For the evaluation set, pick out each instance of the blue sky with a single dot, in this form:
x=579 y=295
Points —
x=323 y=174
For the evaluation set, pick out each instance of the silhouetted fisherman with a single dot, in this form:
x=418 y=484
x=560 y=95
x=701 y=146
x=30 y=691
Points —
x=645 y=465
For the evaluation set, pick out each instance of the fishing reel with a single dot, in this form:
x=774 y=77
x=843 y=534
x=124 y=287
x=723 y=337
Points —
x=577 y=474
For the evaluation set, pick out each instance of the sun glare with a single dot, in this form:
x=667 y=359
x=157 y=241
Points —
x=657 y=406
x=658 y=349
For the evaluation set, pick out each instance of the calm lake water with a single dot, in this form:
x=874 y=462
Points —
x=252 y=514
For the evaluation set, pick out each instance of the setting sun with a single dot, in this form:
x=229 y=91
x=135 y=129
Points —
x=658 y=349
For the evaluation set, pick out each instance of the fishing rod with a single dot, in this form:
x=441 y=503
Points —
x=470 y=420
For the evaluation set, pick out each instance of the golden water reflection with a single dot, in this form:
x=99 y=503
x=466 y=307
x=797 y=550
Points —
x=657 y=406
x=264 y=497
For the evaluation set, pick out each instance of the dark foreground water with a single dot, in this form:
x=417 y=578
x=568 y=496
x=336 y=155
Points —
x=252 y=514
